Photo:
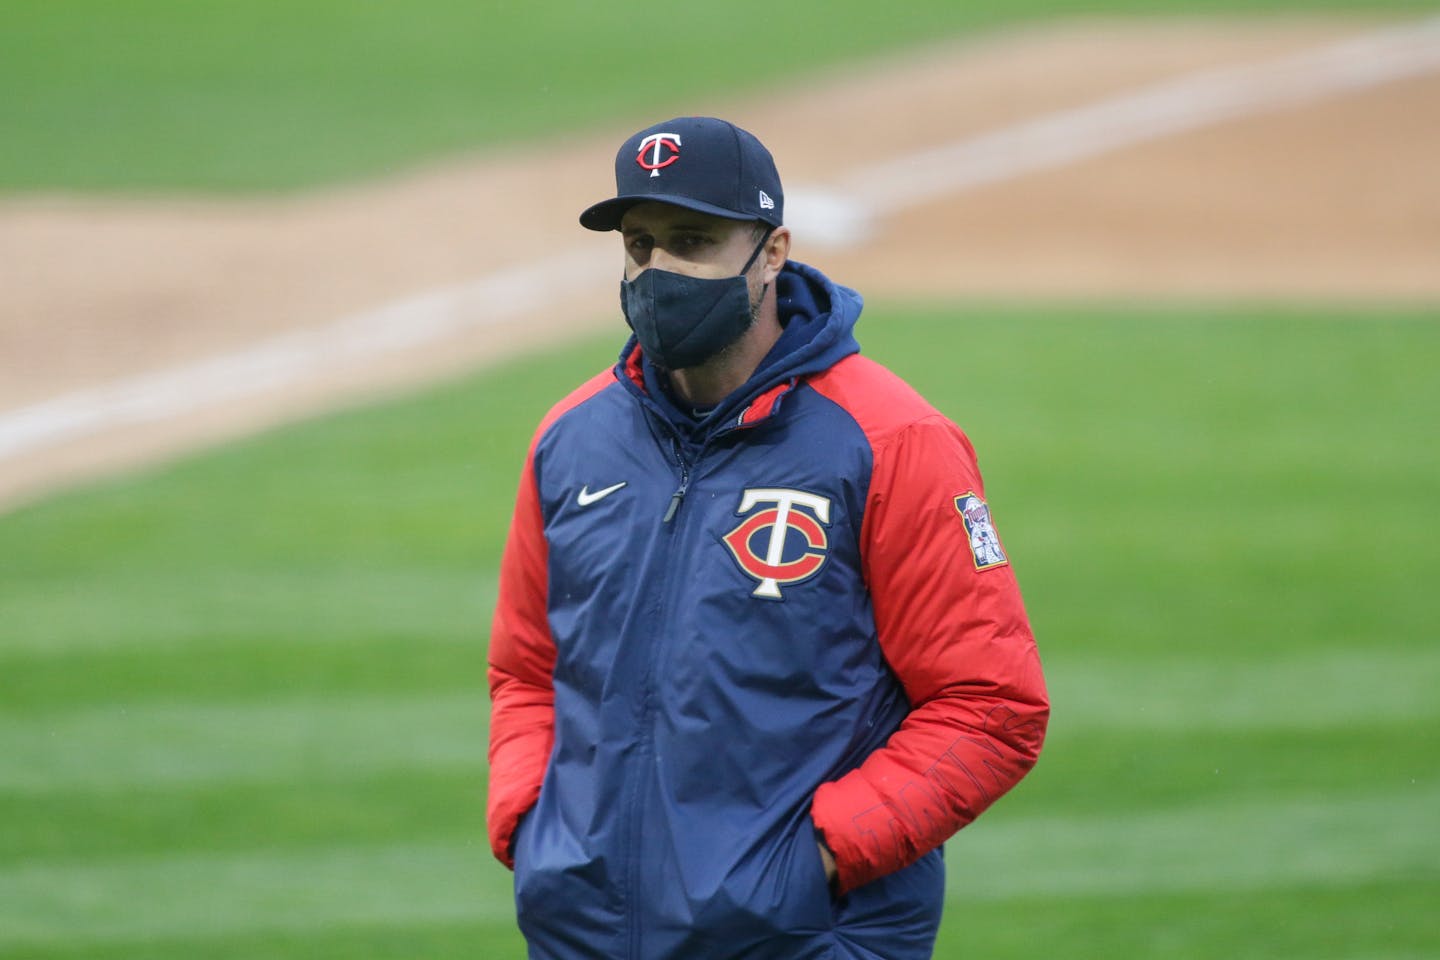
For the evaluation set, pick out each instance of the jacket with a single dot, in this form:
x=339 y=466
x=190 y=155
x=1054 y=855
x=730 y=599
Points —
x=718 y=642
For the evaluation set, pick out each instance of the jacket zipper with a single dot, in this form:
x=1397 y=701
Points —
x=645 y=747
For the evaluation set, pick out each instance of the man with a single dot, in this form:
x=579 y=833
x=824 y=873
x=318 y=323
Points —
x=749 y=669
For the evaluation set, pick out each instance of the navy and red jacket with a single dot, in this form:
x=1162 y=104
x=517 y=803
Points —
x=720 y=640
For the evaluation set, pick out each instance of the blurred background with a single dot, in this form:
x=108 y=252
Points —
x=286 y=287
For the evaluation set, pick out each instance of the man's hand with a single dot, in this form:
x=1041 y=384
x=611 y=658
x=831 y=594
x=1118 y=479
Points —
x=828 y=859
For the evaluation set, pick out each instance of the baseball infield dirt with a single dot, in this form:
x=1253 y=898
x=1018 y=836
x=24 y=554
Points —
x=1330 y=199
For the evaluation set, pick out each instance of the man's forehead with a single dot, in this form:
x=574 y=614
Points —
x=653 y=215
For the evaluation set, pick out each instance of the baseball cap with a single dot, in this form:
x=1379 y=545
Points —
x=700 y=163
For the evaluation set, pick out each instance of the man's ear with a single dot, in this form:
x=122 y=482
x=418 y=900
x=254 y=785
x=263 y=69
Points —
x=777 y=251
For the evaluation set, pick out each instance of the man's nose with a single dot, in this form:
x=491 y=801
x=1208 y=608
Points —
x=662 y=259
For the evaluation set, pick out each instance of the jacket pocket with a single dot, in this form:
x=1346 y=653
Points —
x=563 y=896
x=772 y=903
x=801 y=892
x=897 y=915
x=552 y=873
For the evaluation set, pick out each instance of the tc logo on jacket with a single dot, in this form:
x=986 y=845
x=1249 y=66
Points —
x=760 y=543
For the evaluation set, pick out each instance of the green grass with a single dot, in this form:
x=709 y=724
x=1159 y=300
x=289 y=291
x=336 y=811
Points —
x=242 y=707
x=260 y=94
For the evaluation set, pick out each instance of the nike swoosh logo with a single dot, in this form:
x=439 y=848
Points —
x=585 y=497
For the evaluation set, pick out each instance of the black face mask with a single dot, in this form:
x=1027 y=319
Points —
x=683 y=321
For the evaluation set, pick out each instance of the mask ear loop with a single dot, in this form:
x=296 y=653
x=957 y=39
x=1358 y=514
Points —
x=749 y=263
x=760 y=246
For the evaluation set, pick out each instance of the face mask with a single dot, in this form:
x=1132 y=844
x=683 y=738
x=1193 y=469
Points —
x=683 y=321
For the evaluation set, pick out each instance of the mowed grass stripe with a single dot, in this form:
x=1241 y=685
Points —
x=260 y=667
x=1328 y=689
x=195 y=743
x=1375 y=920
x=1256 y=846
x=1083 y=773
x=468 y=939
x=397 y=806
x=189 y=609
x=217 y=896
x=145 y=744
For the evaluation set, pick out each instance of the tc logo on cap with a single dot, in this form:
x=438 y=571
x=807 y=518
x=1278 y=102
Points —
x=663 y=150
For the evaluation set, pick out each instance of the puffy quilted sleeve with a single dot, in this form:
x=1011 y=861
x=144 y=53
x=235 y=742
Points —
x=522 y=661
x=953 y=628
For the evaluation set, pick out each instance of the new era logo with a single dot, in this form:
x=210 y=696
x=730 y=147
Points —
x=765 y=202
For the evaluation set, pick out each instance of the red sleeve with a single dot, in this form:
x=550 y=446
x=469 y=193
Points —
x=953 y=628
x=522 y=656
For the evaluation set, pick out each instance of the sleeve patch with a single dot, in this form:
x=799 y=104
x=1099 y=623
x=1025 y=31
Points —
x=985 y=549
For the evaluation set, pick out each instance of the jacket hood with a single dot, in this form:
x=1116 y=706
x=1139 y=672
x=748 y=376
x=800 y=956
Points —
x=818 y=317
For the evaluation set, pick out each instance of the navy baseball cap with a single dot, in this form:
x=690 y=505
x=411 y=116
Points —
x=700 y=163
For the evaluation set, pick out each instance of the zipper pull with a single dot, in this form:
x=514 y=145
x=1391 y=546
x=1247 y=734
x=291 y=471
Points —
x=679 y=494
x=675 y=499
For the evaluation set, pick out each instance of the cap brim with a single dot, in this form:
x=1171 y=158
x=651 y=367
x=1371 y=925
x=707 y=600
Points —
x=606 y=214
